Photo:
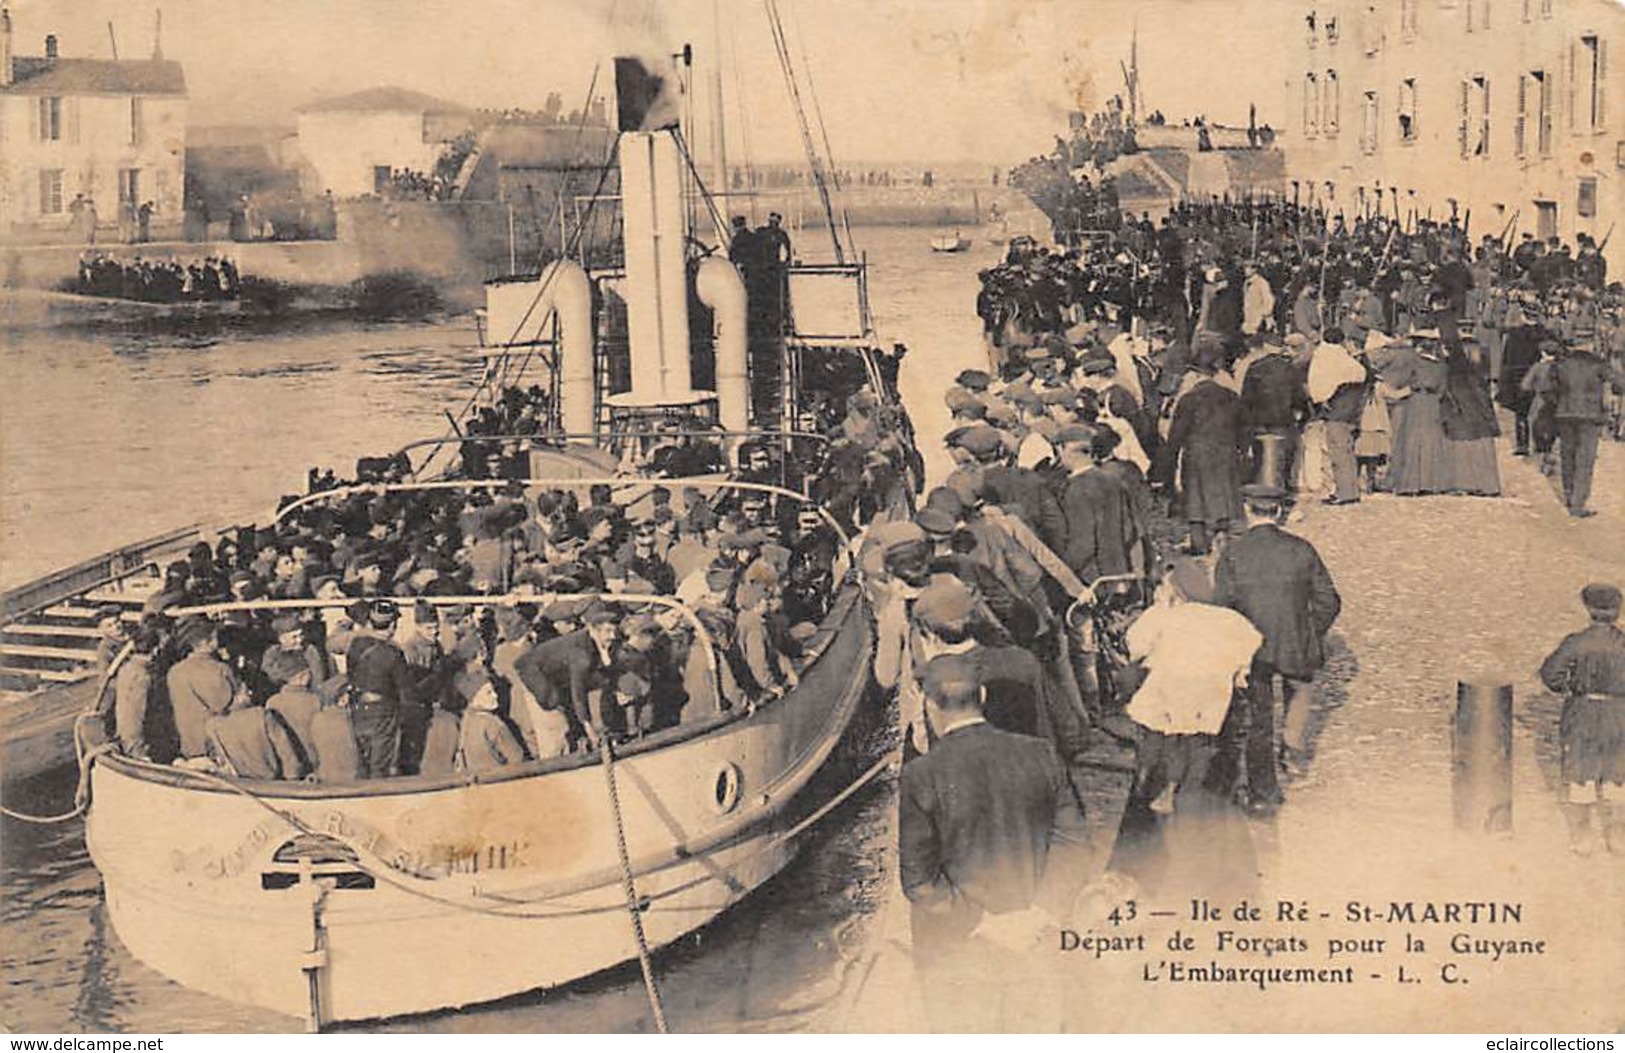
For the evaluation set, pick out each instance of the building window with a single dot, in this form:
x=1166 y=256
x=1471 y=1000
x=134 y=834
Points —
x=1407 y=18
x=1591 y=83
x=382 y=176
x=1371 y=30
x=1331 y=30
x=1585 y=202
x=1312 y=29
x=50 y=119
x=1528 y=9
x=1534 y=106
x=1331 y=104
x=136 y=122
x=1407 y=110
x=129 y=188
x=50 y=192
x=1311 y=106
x=1368 y=123
x=1546 y=12
x=1478 y=15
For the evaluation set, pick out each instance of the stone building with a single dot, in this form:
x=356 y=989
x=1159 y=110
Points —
x=1437 y=107
x=76 y=130
x=352 y=144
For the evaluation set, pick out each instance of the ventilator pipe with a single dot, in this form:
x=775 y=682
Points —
x=719 y=286
x=519 y=313
x=570 y=291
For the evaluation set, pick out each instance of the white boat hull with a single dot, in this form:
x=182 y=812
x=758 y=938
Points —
x=483 y=889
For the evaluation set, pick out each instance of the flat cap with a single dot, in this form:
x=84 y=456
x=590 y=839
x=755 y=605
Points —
x=1074 y=433
x=936 y=522
x=598 y=614
x=1599 y=596
x=947 y=601
x=1263 y=492
x=981 y=441
x=193 y=630
x=973 y=380
x=632 y=685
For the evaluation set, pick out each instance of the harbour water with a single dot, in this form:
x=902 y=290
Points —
x=110 y=438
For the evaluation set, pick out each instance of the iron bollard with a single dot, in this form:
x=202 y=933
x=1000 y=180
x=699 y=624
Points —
x=1481 y=753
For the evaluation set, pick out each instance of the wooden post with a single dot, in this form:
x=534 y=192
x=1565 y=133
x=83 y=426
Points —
x=1481 y=756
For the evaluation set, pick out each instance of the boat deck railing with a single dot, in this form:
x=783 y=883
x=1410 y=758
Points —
x=560 y=440
x=561 y=483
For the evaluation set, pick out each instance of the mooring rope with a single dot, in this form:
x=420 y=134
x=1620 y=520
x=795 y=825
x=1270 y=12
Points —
x=607 y=755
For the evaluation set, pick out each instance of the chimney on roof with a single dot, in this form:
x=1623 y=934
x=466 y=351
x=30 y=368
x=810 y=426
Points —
x=5 y=47
x=50 y=48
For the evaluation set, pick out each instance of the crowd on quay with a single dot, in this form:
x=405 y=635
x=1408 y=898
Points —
x=404 y=668
x=1156 y=408
x=166 y=280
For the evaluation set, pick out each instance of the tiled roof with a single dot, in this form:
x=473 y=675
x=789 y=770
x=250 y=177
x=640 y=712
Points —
x=82 y=76
x=386 y=100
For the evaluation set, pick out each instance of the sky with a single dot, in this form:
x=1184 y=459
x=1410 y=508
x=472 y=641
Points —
x=896 y=80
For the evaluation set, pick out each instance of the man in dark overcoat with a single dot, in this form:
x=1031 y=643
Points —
x=1518 y=356
x=988 y=825
x=565 y=672
x=1275 y=401
x=1101 y=527
x=1278 y=581
x=1205 y=442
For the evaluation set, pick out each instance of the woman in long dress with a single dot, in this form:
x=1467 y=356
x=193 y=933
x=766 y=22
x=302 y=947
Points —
x=1416 y=377
x=1470 y=428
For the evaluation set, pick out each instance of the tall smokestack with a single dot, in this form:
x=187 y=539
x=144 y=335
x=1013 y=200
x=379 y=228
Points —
x=5 y=47
x=50 y=48
x=654 y=224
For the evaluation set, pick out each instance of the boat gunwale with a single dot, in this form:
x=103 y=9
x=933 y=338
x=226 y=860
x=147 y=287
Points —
x=141 y=550
x=847 y=604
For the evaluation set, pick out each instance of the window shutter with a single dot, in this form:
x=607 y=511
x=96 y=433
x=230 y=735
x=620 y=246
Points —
x=1572 y=79
x=1484 y=118
x=1520 y=128
x=1602 y=83
x=70 y=117
x=36 y=121
x=1463 y=117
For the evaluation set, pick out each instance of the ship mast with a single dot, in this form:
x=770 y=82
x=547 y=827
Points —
x=1131 y=74
x=719 y=137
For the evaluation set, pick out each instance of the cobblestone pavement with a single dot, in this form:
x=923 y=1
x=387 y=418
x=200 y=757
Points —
x=1436 y=590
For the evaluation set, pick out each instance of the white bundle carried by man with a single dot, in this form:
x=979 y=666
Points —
x=1194 y=654
x=1330 y=368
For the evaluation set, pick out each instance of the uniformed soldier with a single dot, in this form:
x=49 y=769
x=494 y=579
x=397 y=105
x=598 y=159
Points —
x=1589 y=668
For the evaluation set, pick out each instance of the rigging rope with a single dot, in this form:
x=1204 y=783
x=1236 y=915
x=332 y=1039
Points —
x=781 y=46
x=823 y=133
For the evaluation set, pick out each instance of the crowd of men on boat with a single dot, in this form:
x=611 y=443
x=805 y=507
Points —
x=405 y=668
x=166 y=280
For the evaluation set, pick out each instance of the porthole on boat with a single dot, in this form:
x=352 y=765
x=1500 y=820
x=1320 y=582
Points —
x=725 y=794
